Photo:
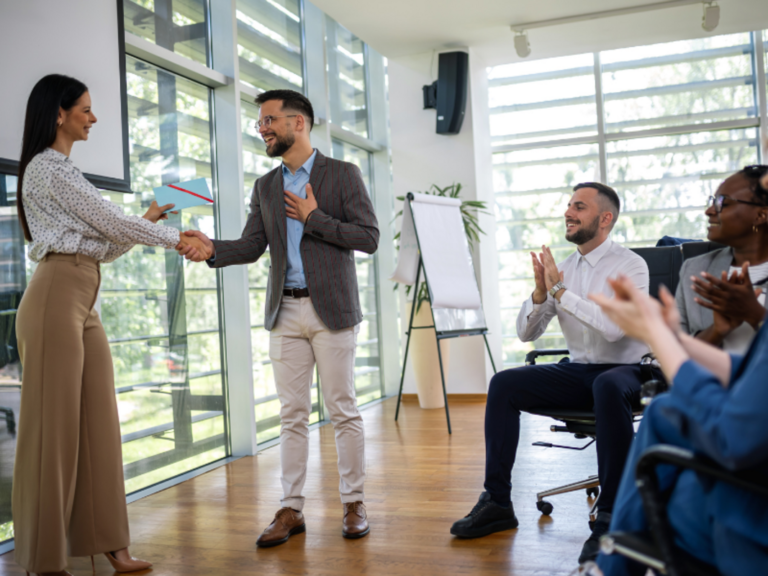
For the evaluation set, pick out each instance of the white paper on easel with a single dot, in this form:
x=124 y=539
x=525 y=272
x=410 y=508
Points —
x=408 y=260
x=444 y=249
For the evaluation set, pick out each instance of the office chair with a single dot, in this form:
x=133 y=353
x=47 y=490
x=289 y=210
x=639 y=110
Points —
x=692 y=249
x=664 y=264
x=655 y=548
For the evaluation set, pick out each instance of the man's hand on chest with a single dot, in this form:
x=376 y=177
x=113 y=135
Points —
x=299 y=208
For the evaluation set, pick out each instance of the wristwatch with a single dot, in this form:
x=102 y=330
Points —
x=556 y=288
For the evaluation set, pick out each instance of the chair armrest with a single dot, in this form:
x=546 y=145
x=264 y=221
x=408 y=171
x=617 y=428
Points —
x=665 y=454
x=530 y=358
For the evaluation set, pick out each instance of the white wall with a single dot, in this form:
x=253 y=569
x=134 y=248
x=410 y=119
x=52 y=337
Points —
x=420 y=158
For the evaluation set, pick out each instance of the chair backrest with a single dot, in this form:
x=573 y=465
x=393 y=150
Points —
x=691 y=249
x=664 y=264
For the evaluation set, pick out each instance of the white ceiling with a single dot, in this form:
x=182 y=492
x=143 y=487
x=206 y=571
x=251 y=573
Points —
x=399 y=28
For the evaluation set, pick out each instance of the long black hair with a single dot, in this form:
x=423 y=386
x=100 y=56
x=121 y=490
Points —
x=49 y=94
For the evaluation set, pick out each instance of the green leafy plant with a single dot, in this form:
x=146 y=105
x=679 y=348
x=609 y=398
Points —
x=470 y=209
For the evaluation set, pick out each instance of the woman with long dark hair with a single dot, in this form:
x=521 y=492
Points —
x=68 y=489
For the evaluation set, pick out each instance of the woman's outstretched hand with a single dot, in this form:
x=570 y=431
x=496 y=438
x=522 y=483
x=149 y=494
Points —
x=156 y=212
x=637 y=314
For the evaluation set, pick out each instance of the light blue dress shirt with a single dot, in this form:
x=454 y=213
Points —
x=296 y=183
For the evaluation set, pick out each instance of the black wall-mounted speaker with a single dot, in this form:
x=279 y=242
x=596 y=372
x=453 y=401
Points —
x=449 y=93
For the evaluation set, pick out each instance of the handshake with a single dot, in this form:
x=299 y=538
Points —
x=195 y=246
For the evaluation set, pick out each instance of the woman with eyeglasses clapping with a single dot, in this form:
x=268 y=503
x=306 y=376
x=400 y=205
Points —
x=726 y=314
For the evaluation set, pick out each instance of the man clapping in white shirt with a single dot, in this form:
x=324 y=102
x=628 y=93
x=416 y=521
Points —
x=603 y=373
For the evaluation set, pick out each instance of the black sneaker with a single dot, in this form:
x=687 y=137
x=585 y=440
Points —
x=486 y=518
x=592 y=546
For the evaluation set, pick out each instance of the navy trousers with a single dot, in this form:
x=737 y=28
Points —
x=612 y=390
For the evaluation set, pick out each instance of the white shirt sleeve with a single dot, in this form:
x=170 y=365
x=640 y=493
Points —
x=590 y=314
x=532 y=320
x=82 y=200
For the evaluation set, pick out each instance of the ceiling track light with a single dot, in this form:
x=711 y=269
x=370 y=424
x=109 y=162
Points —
x=522 y=45
x=711 y=17
x=709 y=21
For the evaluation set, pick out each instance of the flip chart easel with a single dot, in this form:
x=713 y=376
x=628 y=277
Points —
x=443 y=251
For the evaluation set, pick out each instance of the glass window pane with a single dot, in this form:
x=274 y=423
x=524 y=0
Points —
x=13 y=281
x=161 y=312
x=178 y=25
x=269 y=44
x=368 y=358
x=543 y=100
x=256 y=163
x=684 y=82
x=347 y=75
x=664 y=181
x=532 y=189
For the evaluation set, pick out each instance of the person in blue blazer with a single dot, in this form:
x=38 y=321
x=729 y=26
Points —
x=718 y=407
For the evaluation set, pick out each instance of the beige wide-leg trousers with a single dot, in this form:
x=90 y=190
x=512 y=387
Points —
x=68 y=479
x=298 y=340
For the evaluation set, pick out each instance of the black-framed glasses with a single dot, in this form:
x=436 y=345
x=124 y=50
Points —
x=266 y=122
x=718 y=202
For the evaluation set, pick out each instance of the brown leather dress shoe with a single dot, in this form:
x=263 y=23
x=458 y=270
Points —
x=287 y=522
x=355 y=523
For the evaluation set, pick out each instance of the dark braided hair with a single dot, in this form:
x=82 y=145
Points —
x=753 y=175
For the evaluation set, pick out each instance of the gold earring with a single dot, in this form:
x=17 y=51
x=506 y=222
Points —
x=755 y=229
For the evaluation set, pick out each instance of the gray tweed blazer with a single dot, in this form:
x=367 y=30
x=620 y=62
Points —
x=695 y=318
x=343 y=222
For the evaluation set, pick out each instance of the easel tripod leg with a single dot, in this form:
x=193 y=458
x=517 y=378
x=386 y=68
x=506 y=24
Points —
x=488 y=347
x=442 y=379
x=408 y=341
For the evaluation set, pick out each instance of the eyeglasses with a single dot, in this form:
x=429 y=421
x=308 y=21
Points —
x=717 y=202
x=266 y=122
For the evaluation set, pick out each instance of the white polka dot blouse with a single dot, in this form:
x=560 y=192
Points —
x=67 y=214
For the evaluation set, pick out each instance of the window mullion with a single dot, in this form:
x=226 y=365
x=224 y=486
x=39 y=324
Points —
x=600 y=119
x=760 y=87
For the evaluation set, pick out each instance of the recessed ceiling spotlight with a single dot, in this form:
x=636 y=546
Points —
x=711 y=16
x=522 y=46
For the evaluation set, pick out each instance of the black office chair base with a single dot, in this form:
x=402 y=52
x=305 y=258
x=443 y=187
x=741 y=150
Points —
x=591 y=485
x=640 y=547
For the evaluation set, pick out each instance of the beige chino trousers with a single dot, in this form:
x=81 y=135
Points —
x=298 y=341
x=68 y=480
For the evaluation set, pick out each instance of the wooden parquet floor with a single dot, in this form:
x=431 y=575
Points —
x=420 y=480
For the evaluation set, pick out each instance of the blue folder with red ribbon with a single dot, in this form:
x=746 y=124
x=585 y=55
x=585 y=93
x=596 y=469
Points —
x=184 y=194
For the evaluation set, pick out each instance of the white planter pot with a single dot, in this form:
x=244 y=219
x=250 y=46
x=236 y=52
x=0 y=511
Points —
x=426 y=364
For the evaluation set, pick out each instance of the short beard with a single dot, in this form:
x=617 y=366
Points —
x=281 y=145
x=584 y=235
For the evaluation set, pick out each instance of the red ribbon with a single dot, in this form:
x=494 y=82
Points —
x=188 y=192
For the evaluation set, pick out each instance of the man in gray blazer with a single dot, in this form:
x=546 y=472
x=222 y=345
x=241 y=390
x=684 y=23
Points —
x=312 y=212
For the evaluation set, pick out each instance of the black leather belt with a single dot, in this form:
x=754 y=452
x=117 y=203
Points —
x=296 y=292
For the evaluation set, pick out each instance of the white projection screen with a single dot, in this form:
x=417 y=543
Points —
x=79 y=38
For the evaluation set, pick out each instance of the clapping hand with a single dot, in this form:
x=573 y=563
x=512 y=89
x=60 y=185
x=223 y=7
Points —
x=545 y=273
x=195 y=246
x=635 y=312
x=732 y=300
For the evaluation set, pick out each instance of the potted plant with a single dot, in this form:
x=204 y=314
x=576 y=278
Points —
x=424 y=356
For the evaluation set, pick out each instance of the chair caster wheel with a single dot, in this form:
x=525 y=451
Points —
x=593 y=492
x=544 y=507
